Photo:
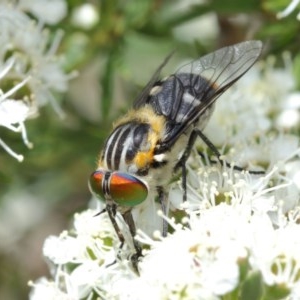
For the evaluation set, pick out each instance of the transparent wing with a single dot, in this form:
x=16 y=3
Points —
x=196 y=86
x=144 y=95
x=226 y=65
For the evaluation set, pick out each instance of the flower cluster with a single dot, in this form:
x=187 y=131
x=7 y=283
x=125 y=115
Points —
x=30 y=73
x=236 y=235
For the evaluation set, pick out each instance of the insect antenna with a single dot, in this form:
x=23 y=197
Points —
x=100 y=213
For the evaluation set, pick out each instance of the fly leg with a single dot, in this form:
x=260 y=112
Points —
x=162 y=200
x=182 y=161
x=127 y=216
x=215 y=151
x=111 y=211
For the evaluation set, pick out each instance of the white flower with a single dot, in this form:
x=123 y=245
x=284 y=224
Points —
x=13 y=113
x=84 y=279
x=63 y=249
x=84 y=259
x=277 y=257
x=29 y=44
x=50 y=12
x=85 y=16
x=251 y=98
x=30 y=61
x=206 y=258
x=47 y=290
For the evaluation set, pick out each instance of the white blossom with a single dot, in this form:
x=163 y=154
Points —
x=85 y=16
x=50 y=12
x=26 y=59
x=13 y=112
x=44 y=289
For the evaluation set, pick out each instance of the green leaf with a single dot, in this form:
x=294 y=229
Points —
x=244 y=268
x=277 y=292
x=252 y=287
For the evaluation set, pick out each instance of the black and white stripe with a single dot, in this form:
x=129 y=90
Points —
x=124 y=143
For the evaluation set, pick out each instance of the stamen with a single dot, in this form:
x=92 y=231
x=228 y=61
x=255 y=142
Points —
x=17 y=156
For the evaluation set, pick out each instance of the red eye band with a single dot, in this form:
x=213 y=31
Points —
x=95 y=184
x=127 y=190
x=124 y=189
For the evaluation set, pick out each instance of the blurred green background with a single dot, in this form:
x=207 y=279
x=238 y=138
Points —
x=115 y=49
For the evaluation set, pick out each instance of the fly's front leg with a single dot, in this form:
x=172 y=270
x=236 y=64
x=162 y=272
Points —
x=127 y=216
x=111 y=210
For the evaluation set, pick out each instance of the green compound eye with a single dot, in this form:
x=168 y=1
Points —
x=127 y=190
x=123 y=188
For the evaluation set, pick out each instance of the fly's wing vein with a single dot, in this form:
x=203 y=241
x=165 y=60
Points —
x=211 y=76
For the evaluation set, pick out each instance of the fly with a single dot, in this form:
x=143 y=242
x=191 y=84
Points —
x=155 y=138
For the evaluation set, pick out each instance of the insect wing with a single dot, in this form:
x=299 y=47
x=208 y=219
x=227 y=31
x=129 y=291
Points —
x=144 y=95
x=225 y=66
x=207 y=78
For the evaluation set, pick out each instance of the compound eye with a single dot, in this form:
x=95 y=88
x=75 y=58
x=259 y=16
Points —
x=127 y=190
x=95 y=184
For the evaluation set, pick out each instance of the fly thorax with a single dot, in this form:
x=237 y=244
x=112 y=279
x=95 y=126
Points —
x=130 y=148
